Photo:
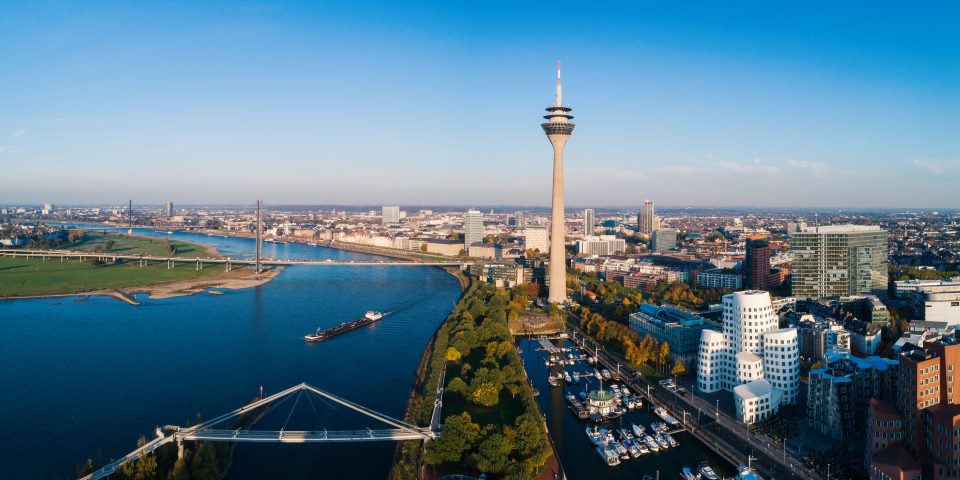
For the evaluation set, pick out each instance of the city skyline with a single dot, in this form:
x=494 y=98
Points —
x=733 y=105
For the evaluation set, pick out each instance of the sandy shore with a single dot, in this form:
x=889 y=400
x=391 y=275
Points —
x=233 y=280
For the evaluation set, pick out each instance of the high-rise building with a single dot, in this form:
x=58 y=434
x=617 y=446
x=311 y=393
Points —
x=558 y=128
x=839 y=260
x=645 y=218
x=390 y=215
x=756 y=265
x=518 y=222
x=751 y=356
x=589 y=222
x=169 y=209
x=664 y=239
x=472 y=228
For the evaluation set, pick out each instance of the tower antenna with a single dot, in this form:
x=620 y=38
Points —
x=559 y=88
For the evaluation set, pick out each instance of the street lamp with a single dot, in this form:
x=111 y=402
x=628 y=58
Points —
x=718 y=410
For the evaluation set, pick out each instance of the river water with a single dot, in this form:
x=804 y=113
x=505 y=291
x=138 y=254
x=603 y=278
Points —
x=86 y=376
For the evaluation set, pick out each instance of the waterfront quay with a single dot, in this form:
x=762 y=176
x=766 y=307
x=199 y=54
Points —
x=726 y=435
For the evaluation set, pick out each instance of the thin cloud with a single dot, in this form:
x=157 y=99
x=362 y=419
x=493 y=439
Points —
x=18 y=133
x=814 y=169
x=935 y=167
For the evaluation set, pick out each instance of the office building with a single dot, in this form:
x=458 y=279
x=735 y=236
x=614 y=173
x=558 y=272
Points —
x=756 y=264
x=678 y=328
x=751 y=356
x=589 y=222
x=664 y=239
x=472 y=228
x=838 y=395
x=602 y=245
x=391 y=215
x=938 y=300
x=645 y=218
x=839 y=260
x=536 y=238
x=169 y=209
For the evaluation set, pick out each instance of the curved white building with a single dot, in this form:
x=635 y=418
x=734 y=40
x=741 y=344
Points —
x=751 y=352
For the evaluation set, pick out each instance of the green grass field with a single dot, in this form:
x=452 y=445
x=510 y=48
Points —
x=137 y=245
x=23 y=277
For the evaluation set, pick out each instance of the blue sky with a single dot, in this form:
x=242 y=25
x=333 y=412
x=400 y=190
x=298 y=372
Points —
x=843 y=104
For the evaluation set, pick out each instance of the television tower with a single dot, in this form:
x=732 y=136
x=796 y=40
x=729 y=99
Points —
x=558 y=128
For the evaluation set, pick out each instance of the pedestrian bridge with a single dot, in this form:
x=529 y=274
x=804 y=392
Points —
x=214 y=431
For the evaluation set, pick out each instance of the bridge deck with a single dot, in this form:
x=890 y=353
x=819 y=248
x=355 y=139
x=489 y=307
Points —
x=223 y=260
x=304 y=436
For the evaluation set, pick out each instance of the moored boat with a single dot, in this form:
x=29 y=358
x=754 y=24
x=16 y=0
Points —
x=637 y=430
x=688 y=474
x=707 y=472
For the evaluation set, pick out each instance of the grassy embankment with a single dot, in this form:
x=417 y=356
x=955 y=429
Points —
x=491 y=422
x=21 y=277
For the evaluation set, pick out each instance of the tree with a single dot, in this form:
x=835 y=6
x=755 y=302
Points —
x=486 y=394
x=180 y=471
x=457 y=385
x=664 y=355
x=678 y=368
x=203 y=465
x=492 y=454
x=453 y=355
x=459 y=435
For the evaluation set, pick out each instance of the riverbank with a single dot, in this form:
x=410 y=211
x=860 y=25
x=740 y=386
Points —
x=25 y=277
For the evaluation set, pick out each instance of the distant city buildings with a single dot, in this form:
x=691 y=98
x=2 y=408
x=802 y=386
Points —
x=751 y=356
x=472 y=228
x=645 y=218
x=391 y=215
x=664 y=239
x=169 y=209
x=839 y=260
x=589 y=222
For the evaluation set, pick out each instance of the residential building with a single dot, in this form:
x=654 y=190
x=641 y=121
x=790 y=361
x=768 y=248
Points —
x=678 y=328
x=886 y=434
x=838 y=396
x=390 y=215
x=472 y=228
x=645 y=218
x=756 y=264
x=752 y=353
x=720 y=278
x=536 y=238
x=865 y=337
x=589 y=222
x=664 y=239
x=839 y=260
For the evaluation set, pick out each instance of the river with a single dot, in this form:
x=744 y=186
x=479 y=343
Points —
x=86 y=376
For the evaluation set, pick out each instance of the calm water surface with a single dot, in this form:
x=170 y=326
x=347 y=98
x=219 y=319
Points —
x=85 y=376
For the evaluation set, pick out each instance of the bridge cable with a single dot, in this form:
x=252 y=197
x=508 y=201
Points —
x=294 y=407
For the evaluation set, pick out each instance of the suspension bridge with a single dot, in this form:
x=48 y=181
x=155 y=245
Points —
x=214 y=430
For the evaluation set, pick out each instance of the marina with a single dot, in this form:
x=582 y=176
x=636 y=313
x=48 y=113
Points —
x=601 y=428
